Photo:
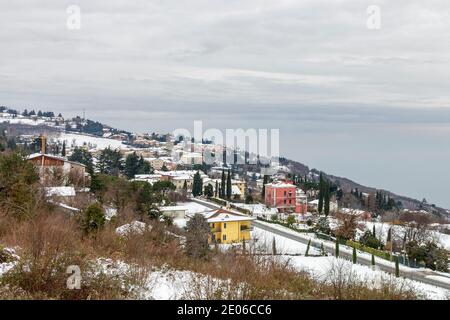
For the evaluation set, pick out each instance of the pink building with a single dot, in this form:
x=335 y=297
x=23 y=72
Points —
x=285 y=197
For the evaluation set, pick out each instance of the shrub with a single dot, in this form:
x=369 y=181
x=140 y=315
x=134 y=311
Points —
x=93 y=218
x=369 y=240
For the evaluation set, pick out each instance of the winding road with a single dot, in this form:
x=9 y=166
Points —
x=345 y=252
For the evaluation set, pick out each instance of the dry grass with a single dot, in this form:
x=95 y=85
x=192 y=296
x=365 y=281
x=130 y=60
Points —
x=51 y=242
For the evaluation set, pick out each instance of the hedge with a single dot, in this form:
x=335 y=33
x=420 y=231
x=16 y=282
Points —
x=375 y=252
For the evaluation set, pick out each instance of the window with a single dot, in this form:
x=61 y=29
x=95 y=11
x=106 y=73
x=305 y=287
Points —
x=224 y=237
x=225 y=225
x=212 y=225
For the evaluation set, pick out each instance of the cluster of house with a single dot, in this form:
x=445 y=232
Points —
x=184 y=179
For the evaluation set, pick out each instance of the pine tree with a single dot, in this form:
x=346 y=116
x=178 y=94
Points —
x=307 y=248
x=131 y=165
x=229 y=185
x=354 y=255
x=337 y=248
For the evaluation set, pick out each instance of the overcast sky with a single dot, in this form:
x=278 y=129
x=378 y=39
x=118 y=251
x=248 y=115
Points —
x=371 y=105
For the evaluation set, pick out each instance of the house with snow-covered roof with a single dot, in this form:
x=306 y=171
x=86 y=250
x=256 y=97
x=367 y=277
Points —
x=228 y=227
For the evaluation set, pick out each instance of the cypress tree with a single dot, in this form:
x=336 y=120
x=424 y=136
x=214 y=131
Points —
x=373 y=230
x=337 y=248
x=265 y=181
x=197 y=185
x=63 y=152
x=397 y=267
x=354 y=255
x=222 y=186
x=326 y=198
x=274 y=247
x=321 y=191
x=389 y=235
x=373 y=260
x=307 y=248
x=229 y=185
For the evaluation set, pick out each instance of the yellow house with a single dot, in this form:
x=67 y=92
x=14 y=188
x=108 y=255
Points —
x=228 y=227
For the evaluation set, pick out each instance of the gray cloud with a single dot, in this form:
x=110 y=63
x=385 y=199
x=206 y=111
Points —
x=310 y=68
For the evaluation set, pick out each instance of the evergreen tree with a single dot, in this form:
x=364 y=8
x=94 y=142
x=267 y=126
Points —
x=63 y=151
x=274 y=246
x=229 y=185
x=197 y=185
x=222 y=186
x=321 y=193
x=25 y=113
x=144 y=166
x=131 y=165
x=307 y=248
x=373 y=260
x=337 y=248
x=389 y=235
x=354 y=255
x=209 y=191
x=110 y=162
x=373 y=231
x=93 y=218
x=84 y=157
x=326 y=198
x=265 y=181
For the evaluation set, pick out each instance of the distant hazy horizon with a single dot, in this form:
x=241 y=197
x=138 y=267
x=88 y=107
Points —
x=372 y=105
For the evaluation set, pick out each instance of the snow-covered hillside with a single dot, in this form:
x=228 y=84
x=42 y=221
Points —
x=92 y=142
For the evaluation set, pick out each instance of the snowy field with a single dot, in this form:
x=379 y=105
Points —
x=322 y=268
x=79 y=140
x=264 y=239
x=193 y=207
x=19 y=119
x=382 y=229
